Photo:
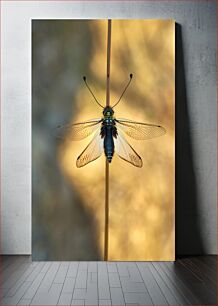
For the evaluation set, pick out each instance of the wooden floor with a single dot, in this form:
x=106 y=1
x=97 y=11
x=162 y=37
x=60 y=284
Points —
x=188 y=281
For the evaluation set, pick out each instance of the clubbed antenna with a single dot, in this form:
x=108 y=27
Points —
x=127 y=85
x=84 y=78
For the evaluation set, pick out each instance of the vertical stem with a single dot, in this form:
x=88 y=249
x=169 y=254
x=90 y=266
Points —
x=107 y=163
x=106 y=210
x=108 y=63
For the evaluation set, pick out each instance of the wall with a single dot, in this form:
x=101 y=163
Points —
x=195 y=102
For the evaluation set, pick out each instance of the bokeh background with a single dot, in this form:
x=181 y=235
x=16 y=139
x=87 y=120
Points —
x=67 y=202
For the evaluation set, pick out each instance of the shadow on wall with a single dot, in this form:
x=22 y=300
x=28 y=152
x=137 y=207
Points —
x=62 y=229
x=188 y=234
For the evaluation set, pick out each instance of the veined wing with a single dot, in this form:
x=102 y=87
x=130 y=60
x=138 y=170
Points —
x=138 y=130
x=94 y=150
x=78 y=131
x=126 y=152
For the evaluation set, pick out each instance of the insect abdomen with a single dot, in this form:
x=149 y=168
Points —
x=107 y=132
x=109 y=143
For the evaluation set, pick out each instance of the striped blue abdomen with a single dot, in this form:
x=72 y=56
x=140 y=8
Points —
x=109 y=142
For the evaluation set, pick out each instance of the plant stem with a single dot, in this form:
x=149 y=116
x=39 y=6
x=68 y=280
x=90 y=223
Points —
x=107 y=163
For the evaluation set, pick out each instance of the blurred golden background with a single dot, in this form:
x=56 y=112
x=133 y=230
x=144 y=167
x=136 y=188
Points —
x=68 y=203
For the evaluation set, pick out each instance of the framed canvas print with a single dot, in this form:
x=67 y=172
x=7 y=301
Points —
x=103 y=140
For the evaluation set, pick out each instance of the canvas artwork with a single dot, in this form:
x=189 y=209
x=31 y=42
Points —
x=103 y=140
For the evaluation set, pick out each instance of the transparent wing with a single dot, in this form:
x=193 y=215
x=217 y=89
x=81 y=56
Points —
x=126 y=152
x=78 y=131
x=94 y=150
x=138 y=130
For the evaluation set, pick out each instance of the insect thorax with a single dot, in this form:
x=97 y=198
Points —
x=108 y=127
x=108 y=121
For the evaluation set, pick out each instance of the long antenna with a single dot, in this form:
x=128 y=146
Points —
x=130 y=79
x=106 y=162
x=84 y=79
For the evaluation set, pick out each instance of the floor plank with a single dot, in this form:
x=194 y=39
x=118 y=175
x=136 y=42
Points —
x=29 y=276
x=117 y=296
x=171 y=283
x=195 y=290
x=204 y=287
x=48 y=298
x=24 y=302
x=188 y=281
x=209 y=274
x=12 y=271
x=65 y=299
x=17 y=296
x=154 y=290
x=103 y=282
x=168 y=292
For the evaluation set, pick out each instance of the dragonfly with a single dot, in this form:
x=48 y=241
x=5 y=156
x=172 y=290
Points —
x=109 y=134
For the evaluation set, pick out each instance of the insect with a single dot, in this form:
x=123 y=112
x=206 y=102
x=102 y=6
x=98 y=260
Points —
x=109 y=134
